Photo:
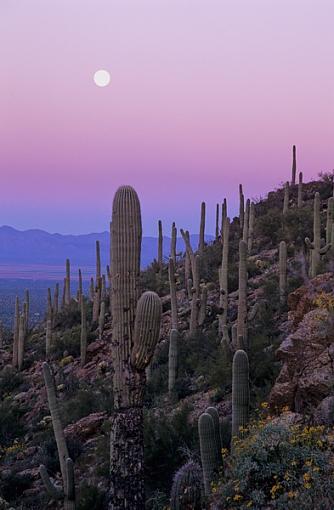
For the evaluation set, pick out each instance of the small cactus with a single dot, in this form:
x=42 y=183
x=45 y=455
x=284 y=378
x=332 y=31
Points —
x=208 y=449
x=240 y=392
x=187 y=488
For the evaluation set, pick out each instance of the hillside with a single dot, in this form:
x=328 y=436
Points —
x=282 y=451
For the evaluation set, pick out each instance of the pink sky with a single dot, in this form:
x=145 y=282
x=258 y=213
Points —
x=204 y=95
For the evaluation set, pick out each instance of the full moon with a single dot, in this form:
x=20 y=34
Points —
x=102 y=78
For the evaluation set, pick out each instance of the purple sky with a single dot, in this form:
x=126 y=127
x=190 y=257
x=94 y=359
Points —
x=204 y=95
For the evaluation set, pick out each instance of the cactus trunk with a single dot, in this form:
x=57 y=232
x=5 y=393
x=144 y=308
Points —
x=240 y=392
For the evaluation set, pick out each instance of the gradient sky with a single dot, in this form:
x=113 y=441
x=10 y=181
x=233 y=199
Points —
x=204 y=95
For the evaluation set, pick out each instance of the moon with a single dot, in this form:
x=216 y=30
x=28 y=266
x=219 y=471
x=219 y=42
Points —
x=102 y=78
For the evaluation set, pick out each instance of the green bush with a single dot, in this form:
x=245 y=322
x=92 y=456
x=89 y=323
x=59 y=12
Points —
x=11 y=426
x=278 y=466
x=10 y=380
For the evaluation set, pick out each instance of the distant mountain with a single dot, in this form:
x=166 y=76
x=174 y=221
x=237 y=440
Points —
x=37 y=247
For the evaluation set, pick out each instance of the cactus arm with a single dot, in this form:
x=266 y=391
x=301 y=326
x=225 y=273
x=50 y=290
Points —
x=325 y=249
x=53 y=491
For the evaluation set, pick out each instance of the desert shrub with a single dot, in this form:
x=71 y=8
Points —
x=90 y=498
x=88 y=399
x=12 y=487
x=165 y=438
x=69 y=316
x=11 y=426
x=298 y=224
x=69 y=341
x=151 y=279
x=269 y=227
x=10 y=380
x=278 y=466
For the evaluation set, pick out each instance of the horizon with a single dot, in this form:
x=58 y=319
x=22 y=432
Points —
x=200 y=100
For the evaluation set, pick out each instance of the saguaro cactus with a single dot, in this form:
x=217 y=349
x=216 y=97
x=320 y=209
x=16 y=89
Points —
x=286 y=198
x=172 y=359
x=66 y=464
x=223 y=218
x=300 y=191
x=315 y=246
x=223 y=277
x=242 y=297
x=217 y=223
x=212 y=411
x=203 y=305
x=160 y=245
x=173 y=300
x=330 y=220
x=102 y=318
x=294 y=166
x=208 y=449
x=173 y=243
x=241 y=208
x=68 y=283
x=80 y=289
x=201 y=242
x=282 y=272
x=133 y=340
x=187 y=488
x=240 y=392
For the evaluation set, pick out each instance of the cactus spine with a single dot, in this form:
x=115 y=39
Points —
x=160 y=246
x=134 y=336
x=66 y=464
x=240 y=392
x=282 y=272
x=294 y=166
x=187 y=488
x=300 y=191
x=68 y=283
x=315 y=246
x=286 y=198
x=223 y=276
x=242 y=297
x=208 y=449
x=173 y=300
x=172 y=359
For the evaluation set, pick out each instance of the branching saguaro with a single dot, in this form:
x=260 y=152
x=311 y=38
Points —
x=66 y=464
x=315 y=247
x=134 y=337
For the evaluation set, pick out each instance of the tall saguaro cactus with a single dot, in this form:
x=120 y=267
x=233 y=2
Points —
x=208 y=449
x=68 y=283
x=251 y=226
x=173 y=300
x=223 y=277
x=242 y=292
x=240 y=392
x=330 y=220
x=300 y=191
x=246 y=221
x=282 y=272
x=201 y=242
x=55 y=304
x=173 y=243
x=66 y=464
x=217 y=223
x=172 y=359
x=21 y=341
x=294 y=166
x=241 y=208
x=315 y=246
x=160 y=245
x=133 y=340
x=98 y=263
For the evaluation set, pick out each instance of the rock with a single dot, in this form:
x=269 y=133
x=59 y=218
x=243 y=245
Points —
x=324 y=413
x=307 y=352
x=66 y=361
x=87 y=426
x=21 y=396
x=61 y=387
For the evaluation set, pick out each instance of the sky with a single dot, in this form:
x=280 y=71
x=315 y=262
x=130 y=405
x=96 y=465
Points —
x=204 y=94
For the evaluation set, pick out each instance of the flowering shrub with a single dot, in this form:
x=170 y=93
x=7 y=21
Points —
x=279 y=466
